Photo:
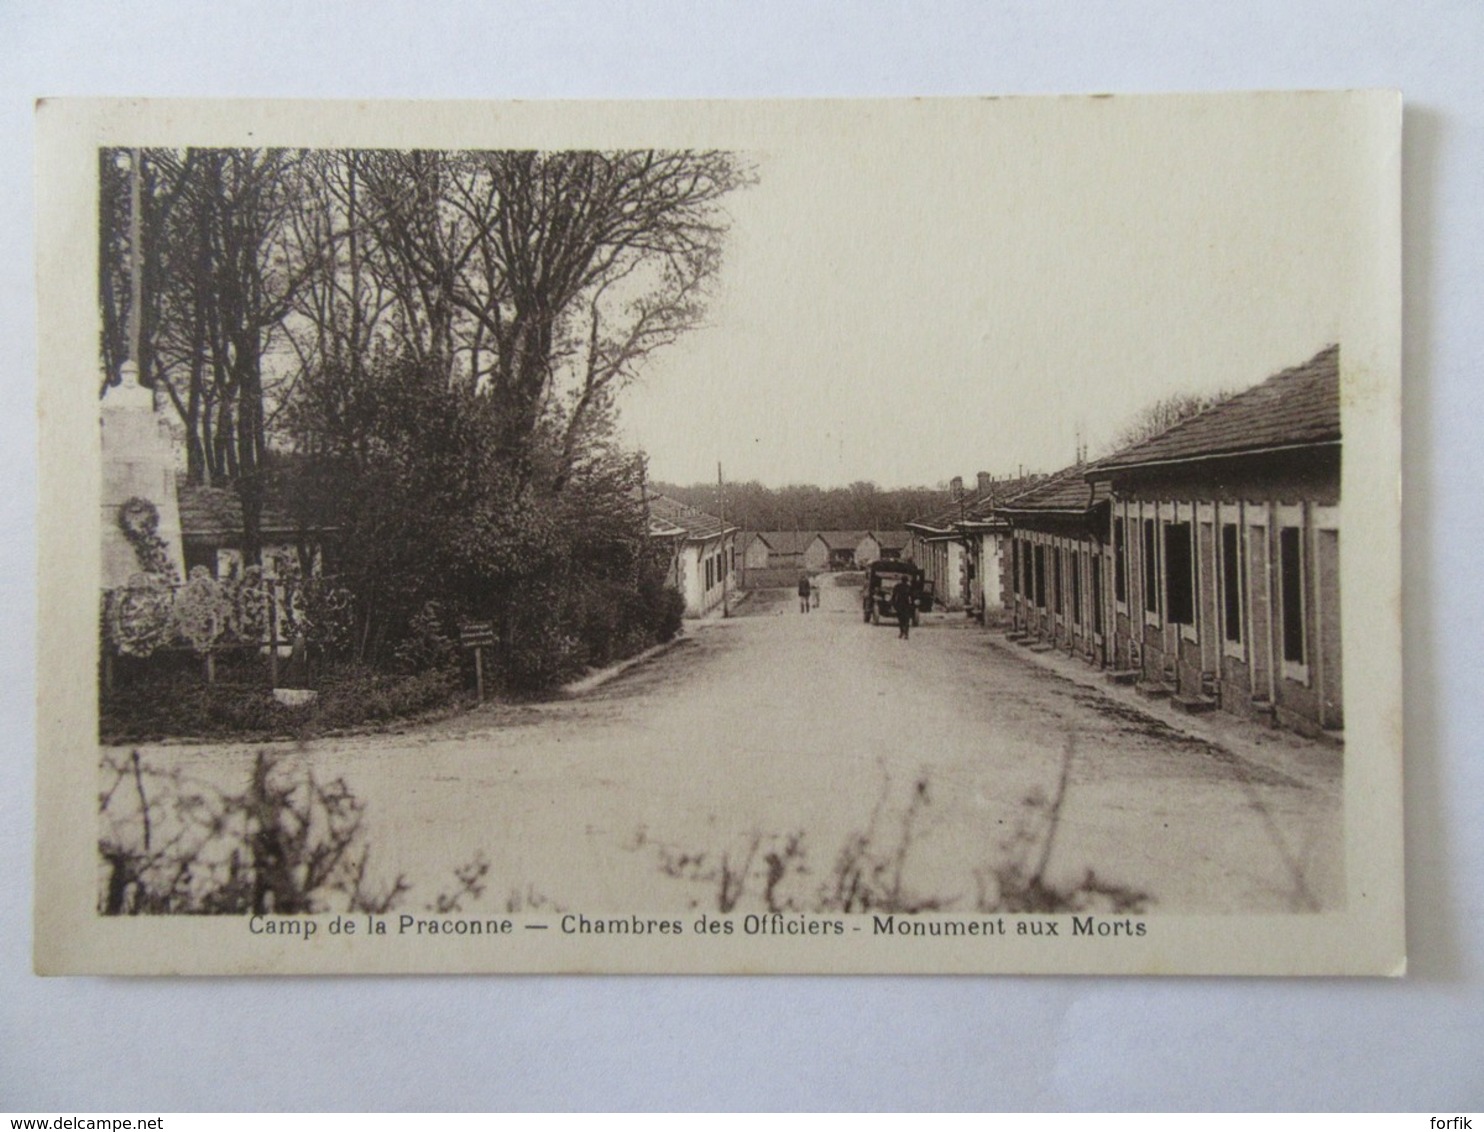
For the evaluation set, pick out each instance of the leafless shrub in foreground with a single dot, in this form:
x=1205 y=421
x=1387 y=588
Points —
x=871 y=868
x=470 y=879
x=529 y=900
x=868 y=877
x=286 y=844
x=760 y=863
x=1018 y=883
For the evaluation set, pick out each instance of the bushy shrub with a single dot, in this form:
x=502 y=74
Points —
x=324 y=610
x=664 y=610
x=612 y=621
x=427 y=646
x=594 y=621
x=438 y=518
x=174 y=700
x=542 y=652
x=358 y=696
x=180 y=704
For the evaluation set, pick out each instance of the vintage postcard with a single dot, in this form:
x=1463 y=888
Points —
x=844 y=536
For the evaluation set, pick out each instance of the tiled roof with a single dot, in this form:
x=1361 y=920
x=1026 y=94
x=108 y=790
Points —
x=980 y=509
x=1296 y=408
x=216 y=512
x=1069 y=490
x=694 y=523
x=892 y=540
x=659 y=528
x=1002 y=491
x=938 y=520
x=787 y=542
x=843 y=540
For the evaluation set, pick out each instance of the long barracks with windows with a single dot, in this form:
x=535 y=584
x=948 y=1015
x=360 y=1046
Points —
x=1203 y=563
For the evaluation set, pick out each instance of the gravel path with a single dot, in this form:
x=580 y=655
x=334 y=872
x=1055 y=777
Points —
x=792 y=758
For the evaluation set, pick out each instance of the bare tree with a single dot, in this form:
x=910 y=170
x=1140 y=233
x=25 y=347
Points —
x=553 y=265
x=218 y=278
x=162 y=181
x=418 y=246
x=1163 y=415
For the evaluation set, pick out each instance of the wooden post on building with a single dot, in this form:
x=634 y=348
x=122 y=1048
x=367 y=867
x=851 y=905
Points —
x=721 y=498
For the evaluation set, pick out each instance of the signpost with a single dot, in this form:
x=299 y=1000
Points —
x=477 y=635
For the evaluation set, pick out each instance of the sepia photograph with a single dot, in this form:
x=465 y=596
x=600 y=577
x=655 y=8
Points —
x=870 y=536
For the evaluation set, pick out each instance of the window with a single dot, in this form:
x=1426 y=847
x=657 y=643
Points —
x=1015 y=566
x=211 y=559
x=1151 y=572
x=1040 y=576
x=1097 y=593
x=1056 y=586
x=1076 y=588
x=1231 y=582
x=708 y=573
x=1120 y=560
x=1179 y=575
x=1291 y=572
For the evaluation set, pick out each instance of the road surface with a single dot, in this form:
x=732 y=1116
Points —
x=811 y=761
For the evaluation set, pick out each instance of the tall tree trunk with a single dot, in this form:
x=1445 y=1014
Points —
x=251 y=485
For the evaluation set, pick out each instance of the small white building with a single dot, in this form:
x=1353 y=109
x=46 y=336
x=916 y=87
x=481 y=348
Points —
x=756 y=550
x=890 y=545
x=786 y=548
x=938 y=547
x=835 y=550
x=988 y=551
x=703 y=563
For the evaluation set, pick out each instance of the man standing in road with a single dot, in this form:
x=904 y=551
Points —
x=804 y=589
x=901 y=605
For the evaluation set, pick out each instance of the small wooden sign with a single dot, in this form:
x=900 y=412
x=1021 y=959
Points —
x=477 y=634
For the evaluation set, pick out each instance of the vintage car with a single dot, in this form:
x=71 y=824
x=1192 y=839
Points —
x=881 y=578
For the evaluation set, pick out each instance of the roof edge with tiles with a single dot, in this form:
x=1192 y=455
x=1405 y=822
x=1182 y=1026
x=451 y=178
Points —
x=1297 y=408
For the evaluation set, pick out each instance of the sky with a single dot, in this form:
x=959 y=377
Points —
x=917 y=290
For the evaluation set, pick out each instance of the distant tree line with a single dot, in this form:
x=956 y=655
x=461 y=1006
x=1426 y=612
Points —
x=865 y=506
x=805 y=507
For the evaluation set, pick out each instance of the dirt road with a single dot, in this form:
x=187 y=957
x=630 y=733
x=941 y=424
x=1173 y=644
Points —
x=810 y=760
